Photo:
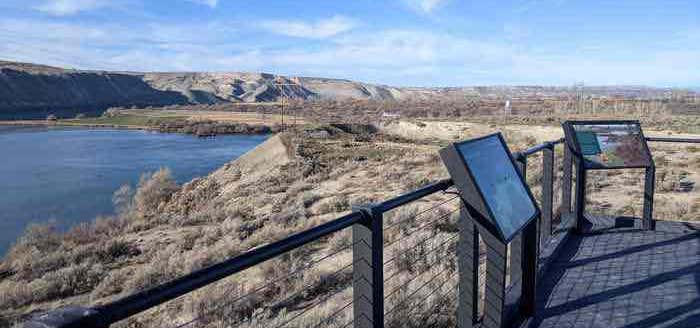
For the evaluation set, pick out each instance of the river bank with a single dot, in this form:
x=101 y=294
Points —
x=61 y=123
x=199 y=123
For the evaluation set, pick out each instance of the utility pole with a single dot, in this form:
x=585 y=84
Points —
x=284 y=98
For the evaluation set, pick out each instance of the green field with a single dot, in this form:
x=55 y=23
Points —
x=129 y=120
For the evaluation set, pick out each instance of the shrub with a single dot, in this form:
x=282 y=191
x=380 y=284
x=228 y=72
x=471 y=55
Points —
x=411 y=256
x=15 y=294
x=113 y=283
x=123 y=199
x=309 y=198
x=153 y=190
x=42 y=237
x=161 y=268
x=336 y=204
x=114 y=249
x=73 y=280
x=340 y=240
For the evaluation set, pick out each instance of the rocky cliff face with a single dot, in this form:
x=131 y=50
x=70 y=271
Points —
x=32 y=91
x=28 y=91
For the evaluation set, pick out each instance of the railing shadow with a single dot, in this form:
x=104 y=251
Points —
x=565 y=262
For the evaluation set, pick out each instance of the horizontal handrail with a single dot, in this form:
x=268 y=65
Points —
x=671 y=139
x=540 y=147
x=147 y=299
x=144 y=300
x=404 y=199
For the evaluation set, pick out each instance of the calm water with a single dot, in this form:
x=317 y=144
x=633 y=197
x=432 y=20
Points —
x=69 y=175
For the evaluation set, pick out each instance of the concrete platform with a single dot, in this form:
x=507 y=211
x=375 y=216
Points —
x=617 y=275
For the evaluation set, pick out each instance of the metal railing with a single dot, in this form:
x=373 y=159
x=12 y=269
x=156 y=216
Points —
x=370 y=227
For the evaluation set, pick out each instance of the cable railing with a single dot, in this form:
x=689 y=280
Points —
x=413 y=259
x=420 y=264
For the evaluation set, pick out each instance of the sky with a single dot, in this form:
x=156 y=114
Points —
x=394 y=42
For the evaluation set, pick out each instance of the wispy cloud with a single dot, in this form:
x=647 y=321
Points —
x=210 y=3
x=425 y=6
x=70 y=7
x=155 y=46
x=320 y=29
x=395 y=57
x=339 y=47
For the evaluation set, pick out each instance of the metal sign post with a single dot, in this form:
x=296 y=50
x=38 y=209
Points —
x=609 y=145
x=497 y=200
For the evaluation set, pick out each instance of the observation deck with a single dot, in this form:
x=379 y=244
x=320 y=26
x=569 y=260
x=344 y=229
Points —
x=615 y=274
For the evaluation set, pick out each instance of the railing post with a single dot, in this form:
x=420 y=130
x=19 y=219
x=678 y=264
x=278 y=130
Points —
x=547 y=192
x=368 y=269
x=648 y=212
x=521 y=163
x=516 y=245
x=495 y=281
x=579 y=216
x=529 y=269
x=468 y=264
x=565 y=206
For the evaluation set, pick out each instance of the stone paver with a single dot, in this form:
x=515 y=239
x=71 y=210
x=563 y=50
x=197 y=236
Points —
x=624 y=277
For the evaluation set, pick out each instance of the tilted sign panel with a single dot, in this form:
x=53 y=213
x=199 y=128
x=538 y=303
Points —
x=611 y=145
x=503 y=190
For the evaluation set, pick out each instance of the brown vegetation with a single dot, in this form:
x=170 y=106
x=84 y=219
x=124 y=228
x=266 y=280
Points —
x=163 y=231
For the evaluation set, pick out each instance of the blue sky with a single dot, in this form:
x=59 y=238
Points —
x=395 y=42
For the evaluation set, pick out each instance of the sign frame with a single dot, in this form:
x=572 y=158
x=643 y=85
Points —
x=573 y=143
x=490 y=222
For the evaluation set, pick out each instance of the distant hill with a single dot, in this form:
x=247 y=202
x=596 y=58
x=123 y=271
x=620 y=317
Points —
x=32 y=90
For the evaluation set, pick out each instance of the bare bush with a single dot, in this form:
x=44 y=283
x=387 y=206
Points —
x=153 y=191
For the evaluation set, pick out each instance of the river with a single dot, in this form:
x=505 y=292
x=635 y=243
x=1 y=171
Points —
x=68 y=175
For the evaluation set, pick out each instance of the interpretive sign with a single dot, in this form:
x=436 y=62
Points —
x=484 y=171
x=609 y=144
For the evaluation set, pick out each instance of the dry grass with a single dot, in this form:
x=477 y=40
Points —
x=163 y=230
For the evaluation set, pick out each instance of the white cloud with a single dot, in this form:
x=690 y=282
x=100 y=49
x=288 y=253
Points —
x=321 y=29
x=113 y=47
x=396 y=57
x=70 y=7
x=210 y=3
x=425 y=6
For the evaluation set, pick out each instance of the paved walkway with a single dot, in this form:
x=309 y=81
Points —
x=617 y=275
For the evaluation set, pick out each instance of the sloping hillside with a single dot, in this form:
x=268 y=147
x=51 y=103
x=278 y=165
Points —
x=228 y=87
x=30 y=91
x=33 y=91
x=289 y=183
